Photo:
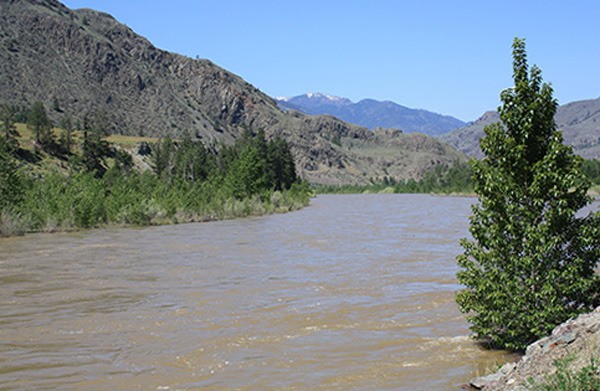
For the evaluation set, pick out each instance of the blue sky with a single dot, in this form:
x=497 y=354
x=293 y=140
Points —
x=450 y=57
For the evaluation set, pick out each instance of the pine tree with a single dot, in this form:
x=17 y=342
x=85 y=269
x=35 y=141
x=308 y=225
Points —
x=41 y=126
x=11 y=180
x=9 y=130
x=531 y=263
x=163 y=157
x=281 y=164
x=94 y=148
x=66 y=137
x=246 y=174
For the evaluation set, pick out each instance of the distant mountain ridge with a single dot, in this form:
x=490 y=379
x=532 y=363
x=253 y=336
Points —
x=80 y=61
x=579 y=121
x=372 y=113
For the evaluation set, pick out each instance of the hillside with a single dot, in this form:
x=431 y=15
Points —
x=83 y=61
x=579 y=121
x=372 y=113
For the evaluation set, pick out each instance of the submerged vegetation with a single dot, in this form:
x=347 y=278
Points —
x=81 y=180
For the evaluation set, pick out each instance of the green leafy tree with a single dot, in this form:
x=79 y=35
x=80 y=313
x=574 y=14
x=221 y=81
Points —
x=531 y=263
x=41 y=126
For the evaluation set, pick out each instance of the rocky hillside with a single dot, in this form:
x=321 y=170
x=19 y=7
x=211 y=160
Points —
x=579 y=122
x=373 y=114
x=82 y=61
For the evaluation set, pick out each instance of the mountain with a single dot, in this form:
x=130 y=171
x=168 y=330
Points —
x=81 y=61
x=314 y=103
x=372 y=113
x=579 y=121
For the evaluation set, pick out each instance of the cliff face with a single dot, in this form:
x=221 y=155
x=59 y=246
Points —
x=82 y=61
x=86 y=61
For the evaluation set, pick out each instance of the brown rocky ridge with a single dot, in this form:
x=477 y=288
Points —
x=579 y=121
x=82 y=61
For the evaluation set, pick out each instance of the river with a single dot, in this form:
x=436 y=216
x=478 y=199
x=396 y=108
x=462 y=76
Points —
x=353 y=292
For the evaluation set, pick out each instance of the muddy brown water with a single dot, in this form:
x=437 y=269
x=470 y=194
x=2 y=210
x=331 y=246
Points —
x=353 y=292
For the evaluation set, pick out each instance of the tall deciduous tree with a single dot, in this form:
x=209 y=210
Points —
x=530 y=265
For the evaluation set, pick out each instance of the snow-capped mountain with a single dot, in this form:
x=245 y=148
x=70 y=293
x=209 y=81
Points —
x=372 y=113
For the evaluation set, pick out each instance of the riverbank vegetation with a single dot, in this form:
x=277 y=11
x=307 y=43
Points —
x=531 y=263
x=62 y=179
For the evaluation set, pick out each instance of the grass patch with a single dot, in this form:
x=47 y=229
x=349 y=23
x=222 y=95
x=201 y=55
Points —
x=129 y=141
x=565 y=379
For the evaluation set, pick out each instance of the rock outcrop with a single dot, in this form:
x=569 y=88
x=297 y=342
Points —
x=577 y=341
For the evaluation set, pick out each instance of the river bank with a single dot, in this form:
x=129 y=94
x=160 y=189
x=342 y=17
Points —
x=20 y=223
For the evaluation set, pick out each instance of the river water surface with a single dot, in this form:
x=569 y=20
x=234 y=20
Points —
x=353 y=292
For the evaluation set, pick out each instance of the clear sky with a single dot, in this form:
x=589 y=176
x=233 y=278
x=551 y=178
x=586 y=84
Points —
x=450 y=57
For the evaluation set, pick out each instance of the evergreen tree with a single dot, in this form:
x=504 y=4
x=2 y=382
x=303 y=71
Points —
x=162 y=157
x=281 y=164
x=531 y=263
x=246 y=174
x=9 y=130
x=89 y=155
x=94 y=148
x=226 y=155
x=99 y=126
x=66 y=137
x=11 y=180
x=41 y=126
x=123 y=161
x=191 y=159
